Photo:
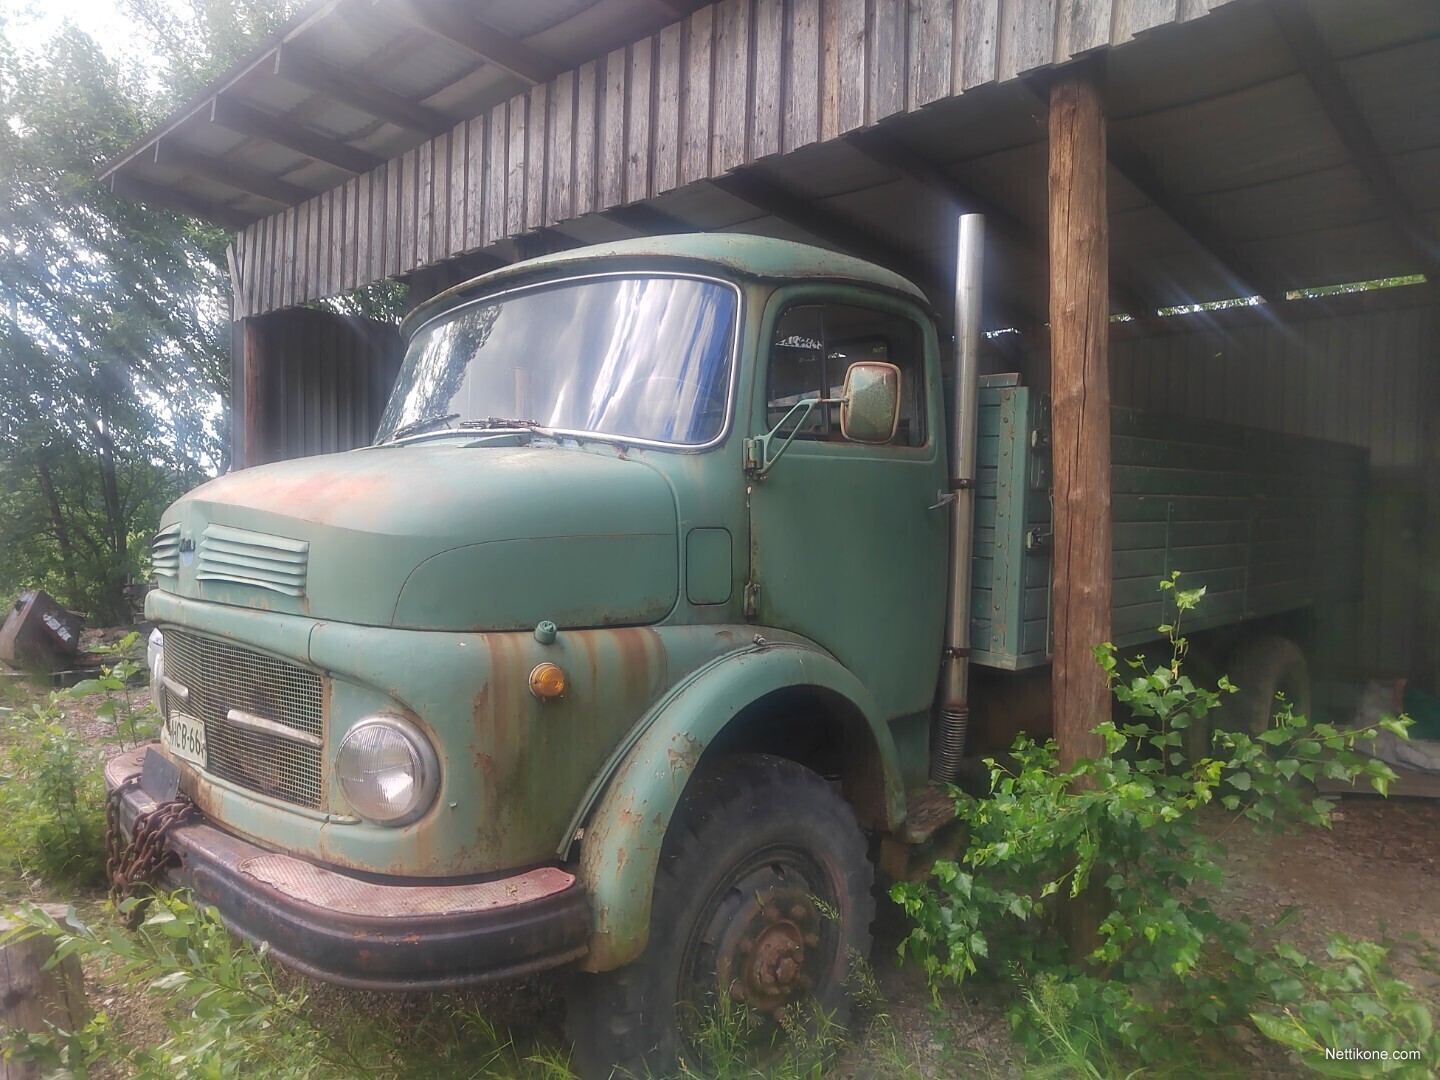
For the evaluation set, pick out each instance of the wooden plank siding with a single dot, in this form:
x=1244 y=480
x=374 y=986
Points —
x=317 y=383
x=1366 y=378
x=725 y=87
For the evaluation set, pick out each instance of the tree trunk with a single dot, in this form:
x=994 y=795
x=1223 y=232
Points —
x=62 y=530
x=116 y=525
x=1080 y=418
x=31 y=997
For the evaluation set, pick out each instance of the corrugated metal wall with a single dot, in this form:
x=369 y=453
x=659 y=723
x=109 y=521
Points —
x=1371 y=378
x=1366 y=378
x=730 y=84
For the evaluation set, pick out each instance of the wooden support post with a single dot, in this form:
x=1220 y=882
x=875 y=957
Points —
x=1080 y=418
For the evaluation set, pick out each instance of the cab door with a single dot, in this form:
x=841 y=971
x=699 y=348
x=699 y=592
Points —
x=844 y=546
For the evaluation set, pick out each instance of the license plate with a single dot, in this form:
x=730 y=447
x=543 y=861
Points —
x=187 y=738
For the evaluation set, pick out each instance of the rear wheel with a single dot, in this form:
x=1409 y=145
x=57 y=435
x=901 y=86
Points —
x=762 y=900
x=1262 y=668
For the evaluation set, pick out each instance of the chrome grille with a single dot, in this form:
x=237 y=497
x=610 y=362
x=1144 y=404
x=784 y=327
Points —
x=165 y=552
x=269 y=562
x=222 y=677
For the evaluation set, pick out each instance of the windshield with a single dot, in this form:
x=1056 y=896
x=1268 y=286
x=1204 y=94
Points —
x=634 y=357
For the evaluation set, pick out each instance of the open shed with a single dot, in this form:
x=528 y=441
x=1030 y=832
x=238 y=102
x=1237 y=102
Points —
x=1250 y=150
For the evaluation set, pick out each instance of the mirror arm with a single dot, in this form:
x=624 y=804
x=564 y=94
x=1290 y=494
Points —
x=757 y=450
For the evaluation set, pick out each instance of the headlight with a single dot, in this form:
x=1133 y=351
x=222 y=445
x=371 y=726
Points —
x=387 y=770
x=155 y=661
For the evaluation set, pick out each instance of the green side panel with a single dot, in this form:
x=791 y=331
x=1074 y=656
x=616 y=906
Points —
x=1009 y=596
x=1266 y=522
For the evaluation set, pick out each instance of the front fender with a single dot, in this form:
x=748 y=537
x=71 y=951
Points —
x=621 y=848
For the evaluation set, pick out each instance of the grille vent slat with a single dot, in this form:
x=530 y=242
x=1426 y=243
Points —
x=221 y=677
x=165 y=552
x=277 y=563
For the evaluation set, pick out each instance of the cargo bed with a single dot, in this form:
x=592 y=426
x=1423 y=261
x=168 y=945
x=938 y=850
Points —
x=1267 y=522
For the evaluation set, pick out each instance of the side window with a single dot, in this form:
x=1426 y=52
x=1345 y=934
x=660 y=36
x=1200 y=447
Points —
x=815 y=344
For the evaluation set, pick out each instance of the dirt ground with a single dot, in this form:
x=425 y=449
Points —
x=1375 y=875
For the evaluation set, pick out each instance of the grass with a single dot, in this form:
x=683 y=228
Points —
x=185 y=999
x=227 y=1012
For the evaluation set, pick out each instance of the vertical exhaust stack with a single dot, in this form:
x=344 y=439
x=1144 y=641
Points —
x=954 y=717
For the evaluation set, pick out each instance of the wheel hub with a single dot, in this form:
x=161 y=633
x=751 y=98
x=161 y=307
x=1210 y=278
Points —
x=764 y=959
x=777 y=957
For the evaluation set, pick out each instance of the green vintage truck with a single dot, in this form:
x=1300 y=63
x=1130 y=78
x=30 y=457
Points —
x=627 y=645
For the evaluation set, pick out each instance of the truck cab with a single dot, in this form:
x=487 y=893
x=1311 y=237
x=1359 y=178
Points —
x=615 y=650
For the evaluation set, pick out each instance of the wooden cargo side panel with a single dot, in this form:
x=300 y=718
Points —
x=1006 y=586
x=1265 y=522
x=986 y=625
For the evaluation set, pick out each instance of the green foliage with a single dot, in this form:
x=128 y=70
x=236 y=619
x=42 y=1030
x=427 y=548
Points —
x=114 y=337
x=52 y=800
x=119 y=707
x=239 y=1021
x=1169 y=970
x=230 y=1013
x=1070 y=1049
x=1349 y=1001
x=198 y=40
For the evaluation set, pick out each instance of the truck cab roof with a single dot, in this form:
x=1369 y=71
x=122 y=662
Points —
x=739 y=254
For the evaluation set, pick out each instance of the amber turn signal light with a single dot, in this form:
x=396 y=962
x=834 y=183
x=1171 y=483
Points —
x=547 y=681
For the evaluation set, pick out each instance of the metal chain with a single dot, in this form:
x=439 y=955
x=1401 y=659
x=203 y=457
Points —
x=145 y=857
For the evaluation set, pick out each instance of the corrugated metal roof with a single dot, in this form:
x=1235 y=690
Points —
x=348 y=84
x=1233 y=167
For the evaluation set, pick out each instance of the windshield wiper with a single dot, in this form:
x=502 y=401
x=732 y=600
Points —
x=415 y=427
x=495 y=423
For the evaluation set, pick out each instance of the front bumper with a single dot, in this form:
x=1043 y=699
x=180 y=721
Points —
x=371 y=934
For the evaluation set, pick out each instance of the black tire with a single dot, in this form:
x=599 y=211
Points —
x=1262 y=668
x=755 y=842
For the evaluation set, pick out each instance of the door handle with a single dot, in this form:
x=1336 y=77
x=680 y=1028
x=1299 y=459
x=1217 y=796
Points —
x=945 y=499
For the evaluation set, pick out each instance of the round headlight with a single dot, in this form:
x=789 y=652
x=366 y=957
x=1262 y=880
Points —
x=387 y=770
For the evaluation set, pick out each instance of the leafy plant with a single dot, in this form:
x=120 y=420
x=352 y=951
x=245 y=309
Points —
x=51 y=800
x=1170 y=970
x=230 y=1012
x=114 y=682
x=1349 y=1016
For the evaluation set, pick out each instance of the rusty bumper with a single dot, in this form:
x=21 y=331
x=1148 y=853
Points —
x=372 y=934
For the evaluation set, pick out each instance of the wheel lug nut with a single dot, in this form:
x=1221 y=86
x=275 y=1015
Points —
x=798 y=911
x=812 y=940
x=772 y=913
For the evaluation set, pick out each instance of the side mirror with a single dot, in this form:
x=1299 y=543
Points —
x=870 y=402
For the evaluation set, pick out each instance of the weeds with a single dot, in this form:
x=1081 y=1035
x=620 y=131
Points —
x=114 y=683
x=1171 y=974
x=51 y=800
x=230 y=1013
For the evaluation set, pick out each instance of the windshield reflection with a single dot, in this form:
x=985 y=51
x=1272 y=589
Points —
x=634 y=357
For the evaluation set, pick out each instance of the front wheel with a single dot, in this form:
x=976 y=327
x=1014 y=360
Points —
x=762 y=900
